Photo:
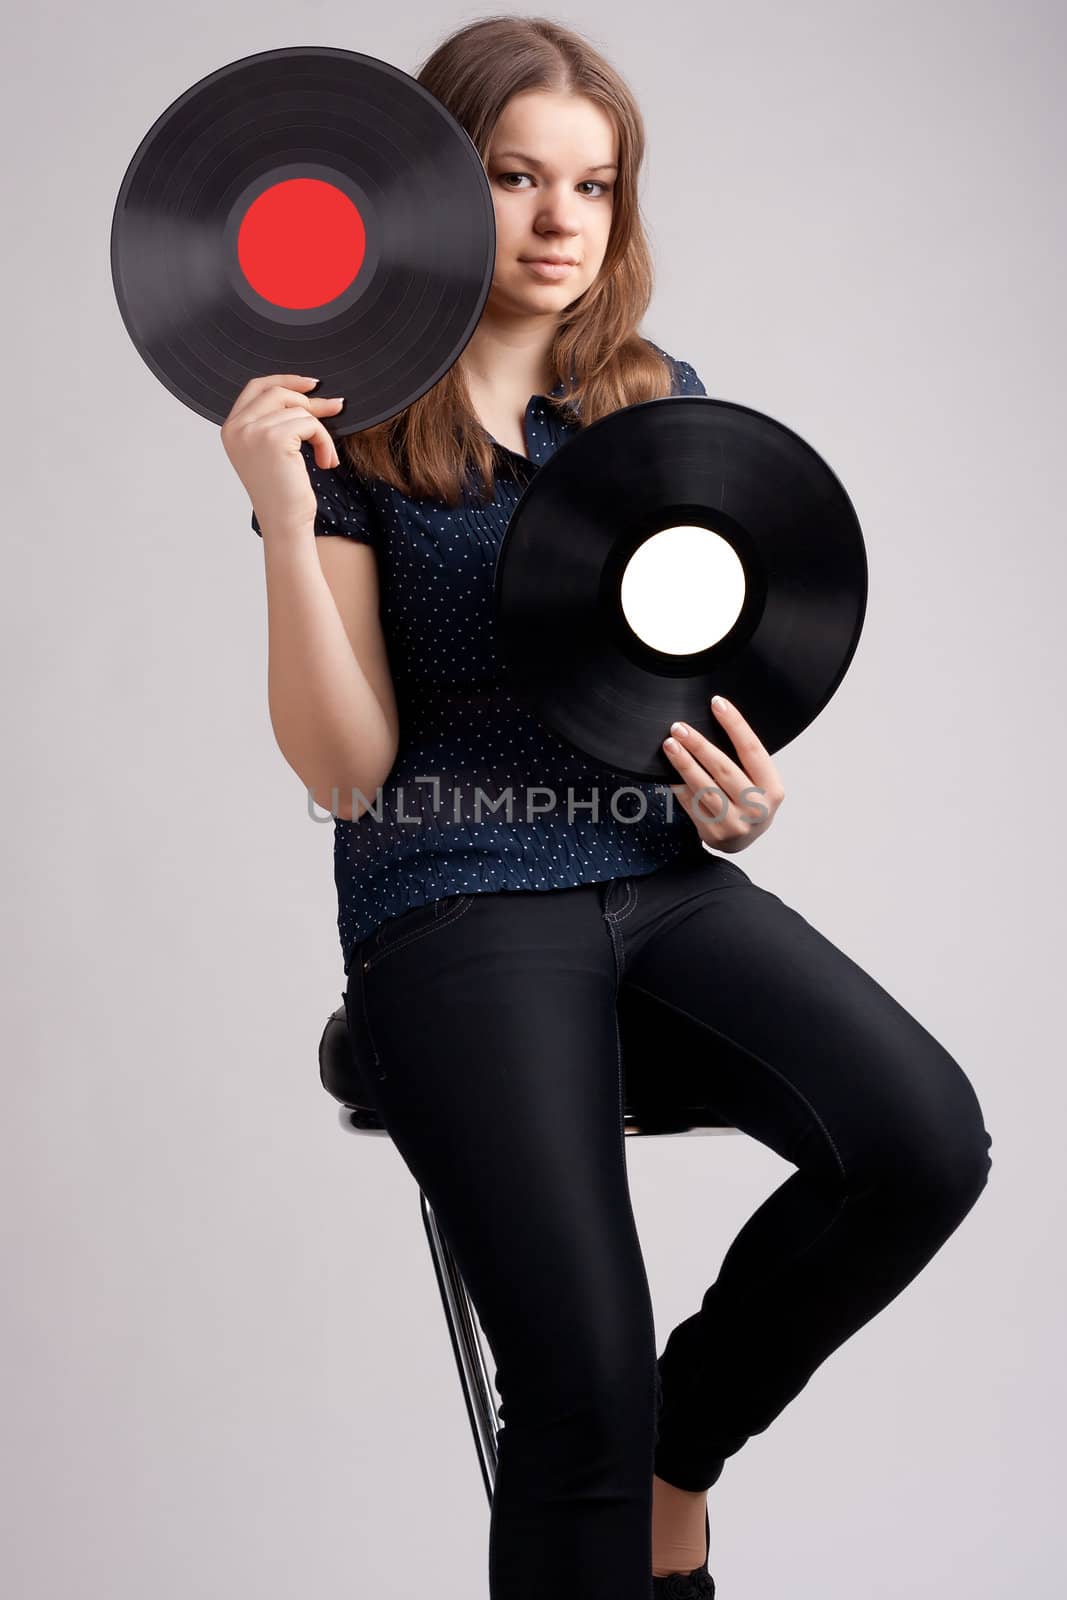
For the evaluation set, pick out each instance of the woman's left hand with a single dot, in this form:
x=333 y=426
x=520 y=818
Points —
x=718 y=795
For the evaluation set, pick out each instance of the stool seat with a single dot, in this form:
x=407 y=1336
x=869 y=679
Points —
x=660 y=1096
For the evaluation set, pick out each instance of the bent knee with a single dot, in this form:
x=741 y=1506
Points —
x=962 y=1172
x=947 y=1161
x=930 y=1139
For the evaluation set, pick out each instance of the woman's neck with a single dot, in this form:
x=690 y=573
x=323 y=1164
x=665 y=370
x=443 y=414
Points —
x=510 y=360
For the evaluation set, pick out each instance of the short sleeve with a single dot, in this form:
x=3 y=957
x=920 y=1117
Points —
x=686 y=380
x=344 y=501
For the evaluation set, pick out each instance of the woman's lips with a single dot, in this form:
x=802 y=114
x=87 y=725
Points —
x=550 y=269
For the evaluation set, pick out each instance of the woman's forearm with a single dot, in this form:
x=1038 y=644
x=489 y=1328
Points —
x=326 y=717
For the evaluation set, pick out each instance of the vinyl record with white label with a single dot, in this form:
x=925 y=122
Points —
x=763 y=602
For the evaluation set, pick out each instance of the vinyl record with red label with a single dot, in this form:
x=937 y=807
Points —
x=304 y=210
x=763 y=599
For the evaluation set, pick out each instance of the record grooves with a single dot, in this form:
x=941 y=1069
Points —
x=568 y=649
x=304 y=210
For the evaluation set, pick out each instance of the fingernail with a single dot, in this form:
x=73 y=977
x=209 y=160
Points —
x=719 y=702
x=680 y=727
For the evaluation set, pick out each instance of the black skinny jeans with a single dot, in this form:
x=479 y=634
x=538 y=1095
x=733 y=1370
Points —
x=495 y=1027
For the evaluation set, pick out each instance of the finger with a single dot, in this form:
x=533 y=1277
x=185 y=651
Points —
x=256 y=386
x=709 y=824
x=711 y=767
x=752 y=752
x=293 y=419
x=711 y=796
x=279 y=398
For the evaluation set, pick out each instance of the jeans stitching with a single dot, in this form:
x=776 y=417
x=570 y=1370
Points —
x=617 y=955
x=631 y=904
x=616 y=951
x=801 y=1096
x=612 y=917
x=618 y=1062
x=408 y=938
x=365 y=1018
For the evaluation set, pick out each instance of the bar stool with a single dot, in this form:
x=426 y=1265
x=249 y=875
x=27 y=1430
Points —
x=659 y=1097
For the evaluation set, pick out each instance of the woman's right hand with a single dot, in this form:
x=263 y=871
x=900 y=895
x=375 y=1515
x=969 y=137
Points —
x=262 y=435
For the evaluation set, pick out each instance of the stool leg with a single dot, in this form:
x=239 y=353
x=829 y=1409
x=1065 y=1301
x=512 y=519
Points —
x=467 y=1347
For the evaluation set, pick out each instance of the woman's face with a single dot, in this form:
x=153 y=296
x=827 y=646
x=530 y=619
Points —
x=551 y=166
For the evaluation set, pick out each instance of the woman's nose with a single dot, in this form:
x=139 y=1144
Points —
x=559 y=212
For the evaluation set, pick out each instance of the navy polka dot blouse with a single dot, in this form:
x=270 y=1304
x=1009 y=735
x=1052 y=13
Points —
x=482 y=795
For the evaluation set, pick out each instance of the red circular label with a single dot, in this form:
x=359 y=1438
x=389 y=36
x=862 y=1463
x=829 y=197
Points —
x=301 y=243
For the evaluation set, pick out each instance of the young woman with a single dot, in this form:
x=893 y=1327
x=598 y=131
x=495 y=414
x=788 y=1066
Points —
x=488 y=950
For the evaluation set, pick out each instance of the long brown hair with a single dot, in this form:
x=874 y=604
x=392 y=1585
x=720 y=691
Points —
x=436 y=444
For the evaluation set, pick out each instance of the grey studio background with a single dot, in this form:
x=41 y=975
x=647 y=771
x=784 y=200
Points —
x=226 y=1367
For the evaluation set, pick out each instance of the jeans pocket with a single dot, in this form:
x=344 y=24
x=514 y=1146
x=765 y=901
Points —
x=415 y=923
x=618 y=898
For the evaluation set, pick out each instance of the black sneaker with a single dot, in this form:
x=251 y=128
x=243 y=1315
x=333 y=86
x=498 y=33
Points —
x=696 y=1585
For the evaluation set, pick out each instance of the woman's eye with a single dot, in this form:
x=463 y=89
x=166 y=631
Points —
x=594 y=182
